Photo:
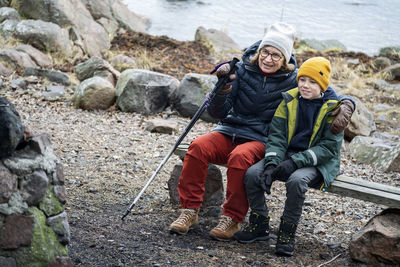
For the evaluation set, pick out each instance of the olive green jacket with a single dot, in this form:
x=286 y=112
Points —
x=324 y=147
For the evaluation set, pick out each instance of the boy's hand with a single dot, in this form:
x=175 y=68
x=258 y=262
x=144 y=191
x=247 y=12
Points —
x=343 y=115
x=284 y=170
x=267 y=178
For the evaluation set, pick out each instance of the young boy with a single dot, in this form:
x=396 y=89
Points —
x=301 y=151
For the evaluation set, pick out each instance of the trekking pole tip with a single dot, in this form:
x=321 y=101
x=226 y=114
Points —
x=126 y=213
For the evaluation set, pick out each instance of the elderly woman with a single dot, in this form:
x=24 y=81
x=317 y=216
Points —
x=245 y=110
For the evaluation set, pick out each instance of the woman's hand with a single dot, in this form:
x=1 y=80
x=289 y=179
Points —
x=343 y=116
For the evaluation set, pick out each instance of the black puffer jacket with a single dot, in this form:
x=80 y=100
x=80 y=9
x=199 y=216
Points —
x=247 y=111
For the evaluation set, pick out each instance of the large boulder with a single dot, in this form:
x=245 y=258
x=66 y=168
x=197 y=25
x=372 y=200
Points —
x=94 y=93
x=11 y=128
x=322 y=45
x=381 y=153
x=41 y=59
x=362 y=121
x=45 y=36
x=191 y=94
x=216 y=39
x=144 y=91
x=115 y=12
x=15 y=59
x=379 y=241
x=9 y=13
x=9 y=18
x=68 y=14
x=214 y=186
x=96 y=66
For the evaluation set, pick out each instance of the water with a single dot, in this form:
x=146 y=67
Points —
x=361 y=25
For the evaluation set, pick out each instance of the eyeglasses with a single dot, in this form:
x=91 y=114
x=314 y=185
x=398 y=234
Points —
x=274 y=56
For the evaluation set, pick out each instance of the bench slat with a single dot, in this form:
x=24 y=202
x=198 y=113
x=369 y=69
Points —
x=368 y=184
x=365 y=193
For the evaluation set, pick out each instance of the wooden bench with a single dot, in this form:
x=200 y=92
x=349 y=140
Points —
x=349 y=187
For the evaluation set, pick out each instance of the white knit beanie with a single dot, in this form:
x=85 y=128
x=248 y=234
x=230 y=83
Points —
x=281 y=36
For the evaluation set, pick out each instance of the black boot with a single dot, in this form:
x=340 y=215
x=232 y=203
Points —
x=256 y=230
x=286 y=236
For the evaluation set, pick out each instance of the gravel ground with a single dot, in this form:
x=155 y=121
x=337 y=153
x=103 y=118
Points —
x=108 y=157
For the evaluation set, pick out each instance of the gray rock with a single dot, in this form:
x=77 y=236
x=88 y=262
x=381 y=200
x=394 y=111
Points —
x=216 y=39
x=128 y=19
x=16 y=59
x=54 y=92
x=191 y=94
x=380 y=63
x=60 y=225
x=9 y=13
x=19 y=84
x=41 y=59
x=90 y=35
x=34 y=186
x=60 y=193
x=382 y=154
x=51 y=75
x=59 y=178
x=162 y=126
x=24 y=162
x=7 y=28
x=45 y=36
x=389 y=50
x=214 y=187
x=11 y=128
x=94 y=93
x=8 y=184
x=323 y=45
x=4 y=71
x=384 y=85
x=17 y=231
x=15 y=204
x=144 y=91
x=88 y=68
x=379 y=241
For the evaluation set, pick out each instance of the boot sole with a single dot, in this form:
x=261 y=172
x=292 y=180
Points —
x=219 y=239
x=284 y=253
x=263 y=238
x=176 y=231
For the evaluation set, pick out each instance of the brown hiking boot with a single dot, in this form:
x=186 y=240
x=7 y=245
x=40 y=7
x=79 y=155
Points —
x=187 y=219
x=225 y=229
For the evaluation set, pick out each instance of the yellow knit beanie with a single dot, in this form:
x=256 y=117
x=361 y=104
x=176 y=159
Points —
x=317 y=68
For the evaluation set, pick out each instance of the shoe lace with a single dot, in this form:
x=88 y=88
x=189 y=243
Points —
x=185 y=216
x=224 y=223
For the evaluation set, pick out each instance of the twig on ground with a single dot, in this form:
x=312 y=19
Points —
x=334 y=258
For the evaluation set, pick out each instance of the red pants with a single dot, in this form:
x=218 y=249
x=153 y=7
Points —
x=218 y=149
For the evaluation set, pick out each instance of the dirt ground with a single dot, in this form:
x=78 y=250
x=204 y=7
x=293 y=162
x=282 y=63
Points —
x=108 y=157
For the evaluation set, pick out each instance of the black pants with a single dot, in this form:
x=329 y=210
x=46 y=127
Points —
x=296 y=188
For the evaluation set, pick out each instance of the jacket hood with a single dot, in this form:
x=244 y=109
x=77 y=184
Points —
x=251 y=50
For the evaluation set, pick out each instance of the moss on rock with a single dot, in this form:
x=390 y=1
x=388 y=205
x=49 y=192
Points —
x=50 y=204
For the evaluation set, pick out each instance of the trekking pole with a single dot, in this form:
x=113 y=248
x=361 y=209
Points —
x=219 y=85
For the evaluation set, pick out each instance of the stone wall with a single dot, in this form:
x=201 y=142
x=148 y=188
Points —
x=34 y=229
